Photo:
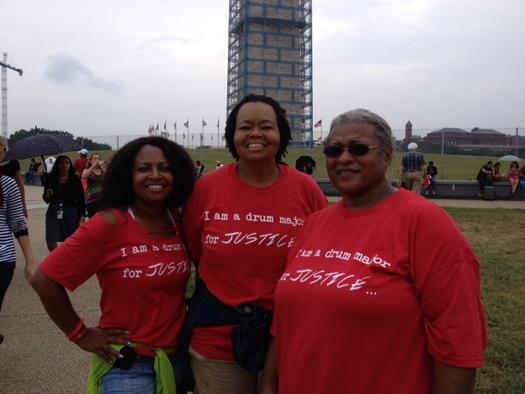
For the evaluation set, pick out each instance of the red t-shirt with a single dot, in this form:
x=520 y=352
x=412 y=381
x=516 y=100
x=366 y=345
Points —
x=143 y=278
x=80 y=165
x=240 y=236
x=369 y=298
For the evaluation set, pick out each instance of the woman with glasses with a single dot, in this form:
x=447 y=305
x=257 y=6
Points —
x=239 y=225
x=381 y=288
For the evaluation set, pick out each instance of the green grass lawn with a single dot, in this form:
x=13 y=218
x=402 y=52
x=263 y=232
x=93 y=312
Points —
x=498 y=239
x=455 y=166
x=451 y=167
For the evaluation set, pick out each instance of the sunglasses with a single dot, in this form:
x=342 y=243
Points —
x=359 y=149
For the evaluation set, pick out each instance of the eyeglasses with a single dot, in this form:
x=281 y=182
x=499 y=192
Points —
x=359 y=149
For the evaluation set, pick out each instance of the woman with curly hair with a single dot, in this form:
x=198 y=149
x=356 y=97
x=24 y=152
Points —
x=135 y=248
x=65 y=196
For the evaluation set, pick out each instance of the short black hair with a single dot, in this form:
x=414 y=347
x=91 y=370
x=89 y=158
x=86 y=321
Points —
x=117 y=186
x=284 y=127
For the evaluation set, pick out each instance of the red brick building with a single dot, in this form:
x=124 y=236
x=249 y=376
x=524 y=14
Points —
x=475 y=138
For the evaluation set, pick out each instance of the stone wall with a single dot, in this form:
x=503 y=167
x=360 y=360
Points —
x=457 y=190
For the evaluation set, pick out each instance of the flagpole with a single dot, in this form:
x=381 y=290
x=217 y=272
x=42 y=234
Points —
x=202 y=136
x=188 y=127
x=442 y=153
x=218 y=137
x=175 y=130
x=311 y=136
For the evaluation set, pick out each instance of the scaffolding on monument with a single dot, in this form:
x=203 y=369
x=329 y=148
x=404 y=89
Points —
x=270 y=52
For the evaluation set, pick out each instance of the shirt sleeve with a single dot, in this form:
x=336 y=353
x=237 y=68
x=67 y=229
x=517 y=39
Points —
x=81 y=256
x=446 y=278
x=15 y=214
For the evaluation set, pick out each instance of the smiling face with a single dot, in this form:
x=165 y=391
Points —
x=152 y=176
x=257 y=136
x=358 y=178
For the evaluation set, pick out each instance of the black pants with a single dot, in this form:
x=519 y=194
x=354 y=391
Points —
x=6 y=276
x=483 y=181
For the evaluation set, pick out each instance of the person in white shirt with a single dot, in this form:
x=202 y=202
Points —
x=50 y=161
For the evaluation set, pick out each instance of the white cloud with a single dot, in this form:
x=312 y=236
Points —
x=97 y=68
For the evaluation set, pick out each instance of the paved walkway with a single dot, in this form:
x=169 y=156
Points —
x=35 y=356
x=503 y=204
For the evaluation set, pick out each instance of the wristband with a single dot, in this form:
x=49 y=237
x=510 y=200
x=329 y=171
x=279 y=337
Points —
x=78 y=332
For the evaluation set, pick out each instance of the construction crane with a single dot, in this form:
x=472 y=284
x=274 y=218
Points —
x=5 y=66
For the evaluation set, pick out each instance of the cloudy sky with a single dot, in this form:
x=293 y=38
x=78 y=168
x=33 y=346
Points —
x=96 y=68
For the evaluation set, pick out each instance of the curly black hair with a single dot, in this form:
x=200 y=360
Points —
x=284 y=127
x=117 y=187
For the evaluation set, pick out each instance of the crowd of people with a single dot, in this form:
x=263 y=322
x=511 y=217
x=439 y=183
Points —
x=490 y=173
x=282 y=279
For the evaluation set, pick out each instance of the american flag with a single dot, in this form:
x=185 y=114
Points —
x=157 y=129
x=204 y=123
x=164 y=125
x=319 y=124
x=187 y=124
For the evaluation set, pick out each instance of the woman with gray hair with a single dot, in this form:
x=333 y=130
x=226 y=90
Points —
x=381 y=288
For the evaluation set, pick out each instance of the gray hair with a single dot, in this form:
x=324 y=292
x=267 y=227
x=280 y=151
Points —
x=361 y=115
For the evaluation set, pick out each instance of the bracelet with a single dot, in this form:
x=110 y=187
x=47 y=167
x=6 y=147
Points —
x=78 y=332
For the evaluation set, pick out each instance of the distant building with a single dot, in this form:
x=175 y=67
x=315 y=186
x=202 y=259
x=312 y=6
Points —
x=408 y=134
x=475 y=138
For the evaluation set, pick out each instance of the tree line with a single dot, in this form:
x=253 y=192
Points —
x=83 y=141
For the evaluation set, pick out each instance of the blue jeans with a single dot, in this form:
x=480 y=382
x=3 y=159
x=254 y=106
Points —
x=139 y=379
x=29 y=175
